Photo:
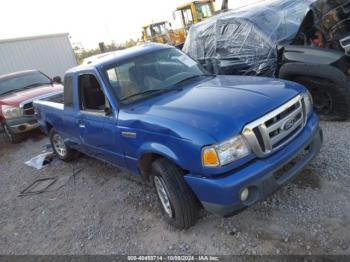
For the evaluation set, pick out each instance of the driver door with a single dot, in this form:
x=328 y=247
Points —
x=97 y=121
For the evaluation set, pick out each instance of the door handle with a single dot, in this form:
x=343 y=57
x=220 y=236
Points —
x=81 y=124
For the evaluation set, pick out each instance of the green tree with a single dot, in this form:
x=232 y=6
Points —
x=82 y=53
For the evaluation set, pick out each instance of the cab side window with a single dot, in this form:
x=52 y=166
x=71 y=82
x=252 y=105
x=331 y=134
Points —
x=68 y=91
x=91 y=94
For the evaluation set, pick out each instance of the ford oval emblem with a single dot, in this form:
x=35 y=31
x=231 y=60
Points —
x=288 y=124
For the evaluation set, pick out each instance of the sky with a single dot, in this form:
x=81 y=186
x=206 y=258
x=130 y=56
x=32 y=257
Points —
x=88 y=22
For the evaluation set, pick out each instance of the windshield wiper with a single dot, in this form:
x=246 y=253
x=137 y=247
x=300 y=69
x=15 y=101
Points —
x=160 y=91
x=22 y=88
x=8 y=92
x=191 y=77
x=34 y=85
x=144 y=93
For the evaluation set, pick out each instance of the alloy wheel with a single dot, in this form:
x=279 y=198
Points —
x=59 y=145
x=163 y=195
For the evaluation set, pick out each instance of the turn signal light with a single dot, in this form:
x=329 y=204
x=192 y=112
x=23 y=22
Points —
x=210 y=157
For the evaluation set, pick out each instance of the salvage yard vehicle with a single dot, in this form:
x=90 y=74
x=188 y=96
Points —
x=189 y=14
x=162 y=33
x=17 y=92
x=226 y=142
x=194 y=12
x=304 y=41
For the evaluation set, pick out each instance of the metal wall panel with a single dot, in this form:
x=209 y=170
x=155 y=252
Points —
x=51 y=54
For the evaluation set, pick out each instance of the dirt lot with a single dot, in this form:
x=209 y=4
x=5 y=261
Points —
x=103 y=210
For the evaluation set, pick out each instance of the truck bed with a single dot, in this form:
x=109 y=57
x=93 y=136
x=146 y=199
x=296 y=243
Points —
x=48 y=104
x=55 y=101
x=50 y=110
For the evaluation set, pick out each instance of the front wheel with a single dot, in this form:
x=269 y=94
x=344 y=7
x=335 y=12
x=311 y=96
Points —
x=177 y=202
x=12 y=137
x=330 y=99
x=60 y=147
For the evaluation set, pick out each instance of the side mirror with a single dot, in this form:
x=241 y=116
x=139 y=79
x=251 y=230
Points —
x=108 y=111
x=57 y=80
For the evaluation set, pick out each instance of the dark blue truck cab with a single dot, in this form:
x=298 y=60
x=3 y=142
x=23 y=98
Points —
x=222 y=141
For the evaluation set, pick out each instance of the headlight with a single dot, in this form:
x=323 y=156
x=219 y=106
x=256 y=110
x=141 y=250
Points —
x=225 y=153
x=309 y=104
x=10 y=112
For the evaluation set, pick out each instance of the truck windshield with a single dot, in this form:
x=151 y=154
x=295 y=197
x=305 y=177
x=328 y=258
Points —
x=23 y=81
x=152 y=74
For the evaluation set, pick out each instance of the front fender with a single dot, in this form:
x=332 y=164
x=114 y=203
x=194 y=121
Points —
x=314 y=62
x=159 y=149
x=179 y=151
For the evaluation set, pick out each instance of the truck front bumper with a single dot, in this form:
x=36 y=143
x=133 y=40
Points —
x=22 y=124
x=261 y=177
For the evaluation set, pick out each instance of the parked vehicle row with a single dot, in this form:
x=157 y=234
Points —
x=304 y=41
x=222 y=141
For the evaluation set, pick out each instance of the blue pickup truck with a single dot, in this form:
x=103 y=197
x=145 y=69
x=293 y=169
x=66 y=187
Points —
x=221 y=142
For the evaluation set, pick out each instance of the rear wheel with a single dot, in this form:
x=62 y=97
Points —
x=12 y=137
x=330 y=100
x=60 y=147
x=177 y=202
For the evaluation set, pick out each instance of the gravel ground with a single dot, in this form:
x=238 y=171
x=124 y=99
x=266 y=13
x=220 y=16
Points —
x=104 y=210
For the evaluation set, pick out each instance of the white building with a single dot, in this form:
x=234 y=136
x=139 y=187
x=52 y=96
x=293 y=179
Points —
x=50 y=54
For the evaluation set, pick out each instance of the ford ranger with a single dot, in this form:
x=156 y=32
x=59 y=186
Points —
x=17 y=92
x=225 y=142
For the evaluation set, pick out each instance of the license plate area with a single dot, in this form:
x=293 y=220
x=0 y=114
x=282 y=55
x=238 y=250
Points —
x=279 y=174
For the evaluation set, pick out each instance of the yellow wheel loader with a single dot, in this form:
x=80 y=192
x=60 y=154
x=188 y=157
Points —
x=161 y=32
x=195 y=12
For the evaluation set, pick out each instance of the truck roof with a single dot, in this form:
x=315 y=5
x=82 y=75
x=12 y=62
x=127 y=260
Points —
x=120 y=55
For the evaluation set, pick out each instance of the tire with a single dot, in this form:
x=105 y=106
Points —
x=60 y=148
x=330 y=100
x=12 y=137
x=182 y=202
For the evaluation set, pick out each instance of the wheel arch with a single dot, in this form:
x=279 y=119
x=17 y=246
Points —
x=48 y=126
x=290 y=70
x=151 y=152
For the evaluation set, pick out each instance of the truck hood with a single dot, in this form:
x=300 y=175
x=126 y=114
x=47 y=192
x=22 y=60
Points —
x=223 y=105
x=15 y=98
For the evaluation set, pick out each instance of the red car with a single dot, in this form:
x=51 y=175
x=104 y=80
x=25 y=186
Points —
x=17 y=93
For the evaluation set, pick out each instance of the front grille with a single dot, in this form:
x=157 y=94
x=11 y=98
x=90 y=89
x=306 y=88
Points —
x=27 y=106
x=345 y=44
x=277 y=128
x=28 y=109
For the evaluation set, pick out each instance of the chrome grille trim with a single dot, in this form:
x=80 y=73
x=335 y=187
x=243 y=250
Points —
x=28 y=109
x=29 y=102
x=273 y=133
x=345 y=44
